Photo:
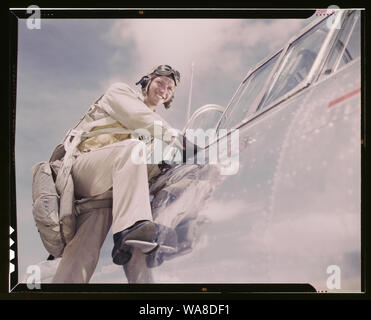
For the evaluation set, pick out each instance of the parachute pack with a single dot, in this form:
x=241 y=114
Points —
x=54 y=205
x=55 y=230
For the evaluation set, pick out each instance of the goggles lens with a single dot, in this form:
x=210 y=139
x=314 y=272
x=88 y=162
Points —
x=166 y=70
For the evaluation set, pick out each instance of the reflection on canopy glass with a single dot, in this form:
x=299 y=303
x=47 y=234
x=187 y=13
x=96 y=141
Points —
x=239 y=108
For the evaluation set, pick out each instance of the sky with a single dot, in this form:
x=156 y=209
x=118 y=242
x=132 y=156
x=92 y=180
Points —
x=67 y=64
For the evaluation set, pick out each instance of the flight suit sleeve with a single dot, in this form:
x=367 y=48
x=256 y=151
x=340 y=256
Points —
x=123 y=104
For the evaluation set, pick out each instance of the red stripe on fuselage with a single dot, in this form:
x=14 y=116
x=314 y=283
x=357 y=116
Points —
x=342 y=98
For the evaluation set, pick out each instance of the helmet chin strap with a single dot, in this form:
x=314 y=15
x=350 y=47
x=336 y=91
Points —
x=143 y=81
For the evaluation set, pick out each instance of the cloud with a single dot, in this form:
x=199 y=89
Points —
x=210 y=43
x=176 y=42
x=222 y=50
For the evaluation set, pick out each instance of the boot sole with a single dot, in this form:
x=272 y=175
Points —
x=144 y=246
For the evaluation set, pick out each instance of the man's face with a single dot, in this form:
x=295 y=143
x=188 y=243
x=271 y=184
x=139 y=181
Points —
x=160 y=90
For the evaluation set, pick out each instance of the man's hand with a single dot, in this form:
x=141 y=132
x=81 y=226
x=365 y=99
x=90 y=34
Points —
x=164 y=166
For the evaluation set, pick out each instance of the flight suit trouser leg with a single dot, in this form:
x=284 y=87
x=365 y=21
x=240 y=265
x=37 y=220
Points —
x=81 y=255
x=112 y=166
x=94 y=173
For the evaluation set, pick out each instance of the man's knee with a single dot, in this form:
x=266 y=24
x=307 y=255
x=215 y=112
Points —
x=133 y=151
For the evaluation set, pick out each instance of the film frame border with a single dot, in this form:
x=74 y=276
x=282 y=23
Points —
x=229 y=289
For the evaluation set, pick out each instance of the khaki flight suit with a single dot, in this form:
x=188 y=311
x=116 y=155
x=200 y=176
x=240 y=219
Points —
x=104 y=168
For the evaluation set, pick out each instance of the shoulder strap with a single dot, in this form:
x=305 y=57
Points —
x=74 y=137
x=70 y=145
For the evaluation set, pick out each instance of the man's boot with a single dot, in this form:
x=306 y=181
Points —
x=146 y=235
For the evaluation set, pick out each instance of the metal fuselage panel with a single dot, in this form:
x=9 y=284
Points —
x=293 y=208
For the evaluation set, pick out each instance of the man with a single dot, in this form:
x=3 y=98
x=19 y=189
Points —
x=99 y=156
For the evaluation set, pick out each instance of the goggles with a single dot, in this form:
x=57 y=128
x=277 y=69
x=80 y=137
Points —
x=166 y=70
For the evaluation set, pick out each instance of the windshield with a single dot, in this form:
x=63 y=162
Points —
x=250 y=90
x=298 y=62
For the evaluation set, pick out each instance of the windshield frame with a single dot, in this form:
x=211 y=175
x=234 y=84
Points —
x=255 y=111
